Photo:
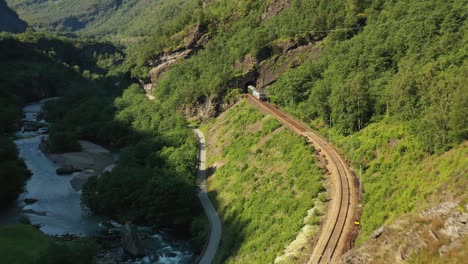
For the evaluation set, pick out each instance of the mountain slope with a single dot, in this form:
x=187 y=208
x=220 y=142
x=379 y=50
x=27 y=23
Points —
x=132 y=18
x=265 y=183
x=9 y=20
x=384 y=80
x=63 y=15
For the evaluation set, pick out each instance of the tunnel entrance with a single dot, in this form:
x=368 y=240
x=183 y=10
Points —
x=247 y=84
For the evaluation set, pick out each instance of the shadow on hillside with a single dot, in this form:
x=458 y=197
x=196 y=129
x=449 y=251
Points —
x=153 y=182
x=233 y=227
x=210 y=171
x=42 y=66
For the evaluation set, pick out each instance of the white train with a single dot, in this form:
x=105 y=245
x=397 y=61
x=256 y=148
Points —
x=257 y=94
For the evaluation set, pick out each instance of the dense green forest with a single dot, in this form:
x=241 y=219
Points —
x=26 y=245
x=13 y=172
x=408 y=63
x=153 y=143
x=35 y=66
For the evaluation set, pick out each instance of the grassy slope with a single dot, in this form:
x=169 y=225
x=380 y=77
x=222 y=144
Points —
x=265 y=186
x=22 y=244
x=399 y=177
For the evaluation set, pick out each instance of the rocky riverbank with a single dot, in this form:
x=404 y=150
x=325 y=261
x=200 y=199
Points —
x=91 y=161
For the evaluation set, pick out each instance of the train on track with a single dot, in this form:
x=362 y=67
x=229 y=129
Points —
x=256 y=93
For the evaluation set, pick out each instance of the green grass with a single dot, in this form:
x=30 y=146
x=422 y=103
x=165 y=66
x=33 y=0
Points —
x=399 y=176
x=267 y=183
x=22 y=244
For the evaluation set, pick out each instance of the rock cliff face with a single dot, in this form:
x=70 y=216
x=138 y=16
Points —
x=193 y=39
x=9 y=20
x=256 y=71
x=275 y=7
x=260 y=70
x=131 y=242
x=293 y=53
x=439 y=233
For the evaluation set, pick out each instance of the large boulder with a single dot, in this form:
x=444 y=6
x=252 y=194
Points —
x=33 y=125
x=65 y=169
x=79 y=179
x=131 y=242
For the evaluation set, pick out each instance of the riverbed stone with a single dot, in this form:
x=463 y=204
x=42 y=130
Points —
x=79 y=179
x=65 y=169
x=131 y=243
x=33 y=125
x=30 y=200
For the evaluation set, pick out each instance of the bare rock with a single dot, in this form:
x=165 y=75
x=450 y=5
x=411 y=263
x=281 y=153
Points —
x=377 y=233
x=131 y=242
x=79 y=179
x=65 y=169
x=32 y=125
x=433 y=235
x=455 y=226
x=275 y=8
x=30 y=200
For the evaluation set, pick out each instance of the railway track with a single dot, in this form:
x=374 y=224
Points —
x=335 y=231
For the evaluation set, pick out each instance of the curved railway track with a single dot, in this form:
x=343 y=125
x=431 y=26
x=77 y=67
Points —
x=336 y=229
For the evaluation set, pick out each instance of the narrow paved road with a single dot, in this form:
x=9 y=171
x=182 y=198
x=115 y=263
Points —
x=209 y=252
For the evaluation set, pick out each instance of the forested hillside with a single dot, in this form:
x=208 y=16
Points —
x=381 y=65
x=35 y=66
x=154 y=180
x=128 y=18
x=385 y=81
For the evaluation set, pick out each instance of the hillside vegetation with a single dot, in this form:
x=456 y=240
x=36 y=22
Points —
x=401 y=82
x=24 y=244
x=35 y=66
x=387 y=84
x=392 y=72
x=265 y=181
x=128 y=18
x=399 y=176
x=409 y=62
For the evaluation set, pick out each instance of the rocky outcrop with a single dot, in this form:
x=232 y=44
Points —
x=293 y=54
x=131 y=242
x=33 y=125
x=274 y=8
x=439 y=231
x=203 y=109
x=192 y=40
x=163 y=64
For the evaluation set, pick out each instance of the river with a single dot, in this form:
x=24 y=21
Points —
x=58 y=209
